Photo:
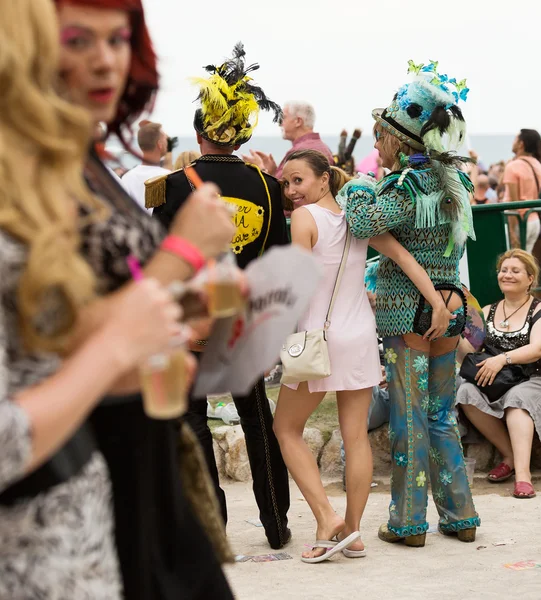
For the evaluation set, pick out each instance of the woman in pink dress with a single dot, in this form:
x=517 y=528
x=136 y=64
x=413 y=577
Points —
x=320 y=227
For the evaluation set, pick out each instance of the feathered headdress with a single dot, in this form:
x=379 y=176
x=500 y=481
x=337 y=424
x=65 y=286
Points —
x=424 y=113
x=230 y=102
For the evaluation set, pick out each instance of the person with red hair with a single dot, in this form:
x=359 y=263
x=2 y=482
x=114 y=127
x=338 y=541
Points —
x=108 y=66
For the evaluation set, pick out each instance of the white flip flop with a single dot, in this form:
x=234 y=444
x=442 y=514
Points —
x=354 y=553
x=332 y=547
x=351 y=553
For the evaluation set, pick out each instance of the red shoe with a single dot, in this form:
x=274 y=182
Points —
x=523 y=489
x=501 y=473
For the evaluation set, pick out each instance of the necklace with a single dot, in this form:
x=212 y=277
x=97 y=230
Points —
x=505 y=323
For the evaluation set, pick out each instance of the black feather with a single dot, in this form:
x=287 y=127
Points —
x=456 y=112
x=450 y=159
x=439 y=119
x=414 y=110
x=233 y=71
x=264 y=102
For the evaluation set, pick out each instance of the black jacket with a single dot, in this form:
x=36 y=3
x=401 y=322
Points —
x=259 y=218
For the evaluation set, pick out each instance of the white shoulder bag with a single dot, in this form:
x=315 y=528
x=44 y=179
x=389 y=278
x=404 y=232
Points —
x=305 y=356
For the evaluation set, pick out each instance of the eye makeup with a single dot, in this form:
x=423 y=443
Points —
x=124 y=33
x=72 y=33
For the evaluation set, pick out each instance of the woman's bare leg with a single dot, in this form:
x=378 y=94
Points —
x=521 y=429
x=353 y=409
x=493 y=429
x=292 y=411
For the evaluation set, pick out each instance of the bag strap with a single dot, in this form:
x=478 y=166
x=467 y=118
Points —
x=341 y=268
x=534 y=173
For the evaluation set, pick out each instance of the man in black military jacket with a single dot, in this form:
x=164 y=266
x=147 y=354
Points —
x=260 y=222
x=259 y=218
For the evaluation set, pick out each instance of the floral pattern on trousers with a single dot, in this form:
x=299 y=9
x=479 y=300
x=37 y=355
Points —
x=425 y=442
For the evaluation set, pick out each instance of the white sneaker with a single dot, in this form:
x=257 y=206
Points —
x=229 y=414
x=273 y=378
x=214 y=410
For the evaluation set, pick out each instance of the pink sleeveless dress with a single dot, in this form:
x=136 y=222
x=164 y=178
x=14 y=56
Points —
x=352 y=340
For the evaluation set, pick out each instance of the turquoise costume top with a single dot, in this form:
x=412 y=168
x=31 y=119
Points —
x=411 y=205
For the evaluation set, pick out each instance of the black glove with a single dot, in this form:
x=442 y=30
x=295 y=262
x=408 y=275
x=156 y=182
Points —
x=172 y=142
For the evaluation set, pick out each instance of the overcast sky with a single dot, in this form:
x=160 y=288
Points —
x=348 y=57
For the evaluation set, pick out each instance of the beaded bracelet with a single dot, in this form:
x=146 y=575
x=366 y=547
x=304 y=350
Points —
x=185 y=251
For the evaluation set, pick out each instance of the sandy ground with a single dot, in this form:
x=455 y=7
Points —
x=444 y=569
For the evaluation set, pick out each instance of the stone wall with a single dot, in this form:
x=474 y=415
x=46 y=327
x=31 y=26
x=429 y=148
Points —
x=232 y=459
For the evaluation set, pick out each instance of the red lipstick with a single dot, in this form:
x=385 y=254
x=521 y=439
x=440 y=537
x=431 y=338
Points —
x=102 y=96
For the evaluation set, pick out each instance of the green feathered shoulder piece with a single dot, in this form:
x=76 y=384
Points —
x=411 y=181
x=446 y=203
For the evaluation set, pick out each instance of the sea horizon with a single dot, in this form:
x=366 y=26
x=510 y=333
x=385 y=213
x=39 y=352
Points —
x=491 y=148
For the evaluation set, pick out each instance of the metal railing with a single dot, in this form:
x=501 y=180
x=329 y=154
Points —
x=492 y=227
x=492 y=230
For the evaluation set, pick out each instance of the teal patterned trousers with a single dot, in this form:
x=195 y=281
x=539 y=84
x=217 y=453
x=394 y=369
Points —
x=425 y=442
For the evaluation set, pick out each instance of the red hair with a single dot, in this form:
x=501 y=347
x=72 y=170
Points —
x=142 y=83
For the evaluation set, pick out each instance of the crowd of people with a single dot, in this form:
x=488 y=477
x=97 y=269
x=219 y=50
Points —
x=516 y=180
x=98 y=498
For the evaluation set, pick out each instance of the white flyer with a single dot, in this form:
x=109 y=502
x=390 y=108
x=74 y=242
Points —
x=241 y=348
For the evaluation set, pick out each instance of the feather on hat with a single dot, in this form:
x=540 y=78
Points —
x=424 y=113
x=230 y=101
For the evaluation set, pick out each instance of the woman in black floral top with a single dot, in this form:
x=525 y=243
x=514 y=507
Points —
x=513 y=332
x=108 y=66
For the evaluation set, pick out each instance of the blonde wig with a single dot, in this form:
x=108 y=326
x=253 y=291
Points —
x=185 y=158
x=43 y=142
x=393 y=146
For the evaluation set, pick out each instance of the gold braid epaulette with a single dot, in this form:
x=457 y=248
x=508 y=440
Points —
x=155 y=189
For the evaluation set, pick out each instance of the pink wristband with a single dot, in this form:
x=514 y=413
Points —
x=184 y=250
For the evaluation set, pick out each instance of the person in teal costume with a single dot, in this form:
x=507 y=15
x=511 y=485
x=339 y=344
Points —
x=424 y=203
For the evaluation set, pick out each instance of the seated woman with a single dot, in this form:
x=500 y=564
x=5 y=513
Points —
x=512 y=327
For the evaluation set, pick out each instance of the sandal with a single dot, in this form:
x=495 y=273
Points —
x=354 y=553
x=351 y=553
x=331 y=547
x=523 y=490
x=500 y=473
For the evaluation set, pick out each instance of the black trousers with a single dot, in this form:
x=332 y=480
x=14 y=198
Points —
x=163 y=551
x=269 y=473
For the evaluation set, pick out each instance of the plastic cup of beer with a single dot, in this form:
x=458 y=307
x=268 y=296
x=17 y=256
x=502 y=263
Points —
x=164 y=382
x=223 y=289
